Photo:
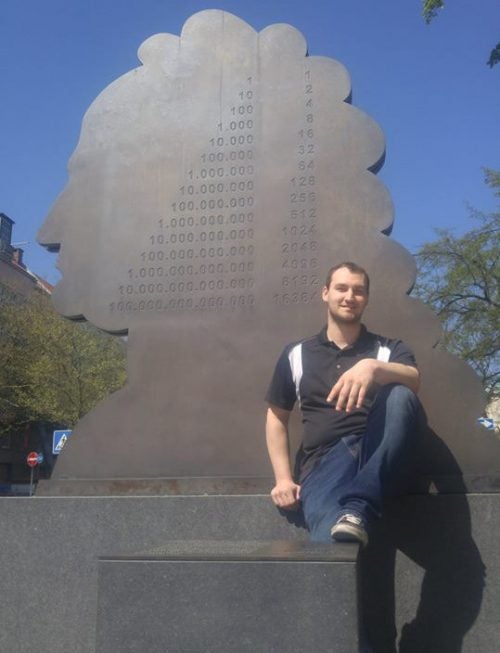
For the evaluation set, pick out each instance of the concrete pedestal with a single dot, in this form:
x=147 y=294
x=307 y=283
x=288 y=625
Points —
x=439 y=552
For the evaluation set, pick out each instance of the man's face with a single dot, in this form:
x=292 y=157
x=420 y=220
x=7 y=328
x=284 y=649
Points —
x=346 y=296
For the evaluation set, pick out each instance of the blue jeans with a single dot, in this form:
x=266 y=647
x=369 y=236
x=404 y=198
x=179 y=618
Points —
x=360 y=471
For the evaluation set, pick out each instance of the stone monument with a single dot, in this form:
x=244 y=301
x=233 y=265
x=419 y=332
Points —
x=210 y=190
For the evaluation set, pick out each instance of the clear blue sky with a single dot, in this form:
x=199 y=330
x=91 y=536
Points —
x=427 y=86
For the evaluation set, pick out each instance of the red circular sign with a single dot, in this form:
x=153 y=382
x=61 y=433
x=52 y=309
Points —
x=32 y=459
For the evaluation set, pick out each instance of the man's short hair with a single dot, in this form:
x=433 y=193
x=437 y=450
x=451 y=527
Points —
x=352 y=267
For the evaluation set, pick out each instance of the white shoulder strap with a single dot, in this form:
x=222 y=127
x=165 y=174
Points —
x=383 y=354
x=295 y=358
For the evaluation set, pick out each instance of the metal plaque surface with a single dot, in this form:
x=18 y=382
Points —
x=211 y=189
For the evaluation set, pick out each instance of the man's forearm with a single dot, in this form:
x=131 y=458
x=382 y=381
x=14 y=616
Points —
x=277 y=444
x=350 y=390
x=397 y=373
x=286 y=493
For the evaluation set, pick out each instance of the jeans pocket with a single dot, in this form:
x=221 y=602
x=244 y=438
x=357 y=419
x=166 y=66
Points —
x=353 y=444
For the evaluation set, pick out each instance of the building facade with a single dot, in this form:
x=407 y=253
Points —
x=16 y=283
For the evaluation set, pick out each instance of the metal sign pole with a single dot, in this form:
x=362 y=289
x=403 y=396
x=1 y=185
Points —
x=33 y=459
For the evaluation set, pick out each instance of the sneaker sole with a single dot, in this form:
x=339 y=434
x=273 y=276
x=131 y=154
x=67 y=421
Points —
x=347 y=533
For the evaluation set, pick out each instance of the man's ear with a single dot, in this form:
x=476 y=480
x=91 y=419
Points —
x=324 y=294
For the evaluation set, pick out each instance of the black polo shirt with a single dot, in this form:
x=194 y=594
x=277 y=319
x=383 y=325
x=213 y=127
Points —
x=307 y=370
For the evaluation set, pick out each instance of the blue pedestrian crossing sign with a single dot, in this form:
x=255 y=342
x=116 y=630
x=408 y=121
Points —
x=59 y=439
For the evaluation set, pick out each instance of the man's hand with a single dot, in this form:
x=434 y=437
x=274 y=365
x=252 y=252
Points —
x=350 y=390
x=286 y=495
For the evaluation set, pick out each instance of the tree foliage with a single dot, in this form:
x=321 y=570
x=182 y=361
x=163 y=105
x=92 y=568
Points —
x=430 y=10
x=459 y=277
x=494 y=56
x=52 y=369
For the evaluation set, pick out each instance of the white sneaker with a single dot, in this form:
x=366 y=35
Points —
x=349 y=528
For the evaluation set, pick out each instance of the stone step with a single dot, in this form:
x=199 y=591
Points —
x=229 y=597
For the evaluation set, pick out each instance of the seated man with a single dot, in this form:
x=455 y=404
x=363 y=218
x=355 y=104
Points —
x=360 y=414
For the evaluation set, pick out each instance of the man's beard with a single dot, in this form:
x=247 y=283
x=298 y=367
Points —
x=353 y=319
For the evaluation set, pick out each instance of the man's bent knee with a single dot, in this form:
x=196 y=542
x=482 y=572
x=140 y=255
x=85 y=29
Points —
x=399 y=394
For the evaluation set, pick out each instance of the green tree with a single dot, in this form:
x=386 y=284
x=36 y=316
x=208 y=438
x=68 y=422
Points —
x=430 y=9
x=459 y=277
x=53 y=369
